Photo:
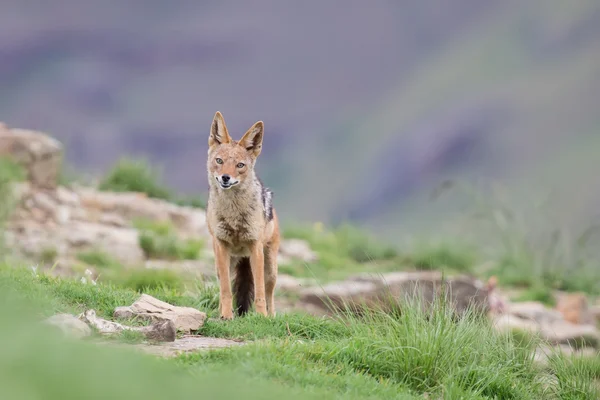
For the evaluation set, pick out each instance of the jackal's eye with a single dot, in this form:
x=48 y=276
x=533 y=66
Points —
x=240 y=165
x=219 y=161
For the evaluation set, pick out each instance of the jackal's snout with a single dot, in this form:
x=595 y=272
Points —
x=226 y=181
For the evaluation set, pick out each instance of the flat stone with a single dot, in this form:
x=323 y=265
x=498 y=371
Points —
x=367 y=290
x=186 y=319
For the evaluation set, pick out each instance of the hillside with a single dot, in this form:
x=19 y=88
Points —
x=366 y=112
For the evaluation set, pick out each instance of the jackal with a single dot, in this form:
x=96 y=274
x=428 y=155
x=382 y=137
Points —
x=241 y=220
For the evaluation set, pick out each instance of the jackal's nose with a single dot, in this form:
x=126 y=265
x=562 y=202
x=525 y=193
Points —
x=225 y=178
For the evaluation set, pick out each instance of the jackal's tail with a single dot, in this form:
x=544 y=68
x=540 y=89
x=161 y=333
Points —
x=243 y=286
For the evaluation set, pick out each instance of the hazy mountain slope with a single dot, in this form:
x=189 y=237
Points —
x=513 y=101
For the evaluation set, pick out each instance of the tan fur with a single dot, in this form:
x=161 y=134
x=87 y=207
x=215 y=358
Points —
x=235 y=216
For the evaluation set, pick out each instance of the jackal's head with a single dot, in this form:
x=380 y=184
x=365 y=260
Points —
x=231 y=162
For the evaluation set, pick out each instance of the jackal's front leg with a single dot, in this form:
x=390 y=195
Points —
x=257 y=263
x=222 y=261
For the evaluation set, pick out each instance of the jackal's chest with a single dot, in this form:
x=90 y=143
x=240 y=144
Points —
x=237 y=228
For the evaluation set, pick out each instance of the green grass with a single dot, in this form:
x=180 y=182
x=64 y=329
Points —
x=138 y=279
x=159 y=240
x=342 y=251
x=130 y=337
x=100 y=259
x=144 y=280
x=11 y=171
x=439 y=256
x=36 y=362
x=48 y=255
x=406 y=354
x=540 y=293
x=135 y=176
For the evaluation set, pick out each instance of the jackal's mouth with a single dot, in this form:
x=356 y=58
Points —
x=227 y=185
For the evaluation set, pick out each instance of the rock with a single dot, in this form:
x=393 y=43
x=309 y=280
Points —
x=595 y=312
x=70 y=325
x=507 y=323
x=21 y=191
x=198 y=268
x=575 y=308
x=38 y=153
x=287 y=283
x=121 y=243
x=62 y=215
x=297 y=249
x=163 y=331
x=44 y=201
x=186 y=319
x=534 y=311
x=190 y=222
x=66 y=197
x=368 y=291
x=565 y=332
x=338 y=293
x=550 y=328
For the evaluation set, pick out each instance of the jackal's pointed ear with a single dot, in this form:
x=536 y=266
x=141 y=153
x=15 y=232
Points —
x=252 y=140
x=218 y=131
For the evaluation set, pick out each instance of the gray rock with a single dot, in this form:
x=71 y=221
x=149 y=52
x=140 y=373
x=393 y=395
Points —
x=38 y=153
x=295 y=249
x=185 y=319
x=394 y=288
x=534 y=311
x=163 y=331
x=552 y=330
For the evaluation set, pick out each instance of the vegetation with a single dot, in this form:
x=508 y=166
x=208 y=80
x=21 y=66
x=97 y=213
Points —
x=408 y=355
x=341 y=251
x=137 y=175
x=442 y=256
x=380 y=356
x=159 y=240
x=99 y=259
x=134 y=176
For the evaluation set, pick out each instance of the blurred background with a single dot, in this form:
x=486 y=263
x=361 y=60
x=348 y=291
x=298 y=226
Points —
x=369 y=107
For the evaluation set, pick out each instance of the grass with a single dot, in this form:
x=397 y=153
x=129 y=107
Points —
x=437 y=256
x=137 y=175
x=48 y=255
x=144 y=280
x=408 y=355
x=99 y=259
x=38 y=363
x=341 y=251
x=159 y=240
x=134 y=176
x=540 y=293
x=528 y=248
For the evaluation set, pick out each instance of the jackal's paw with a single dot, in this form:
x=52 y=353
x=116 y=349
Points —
x=227 y=316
